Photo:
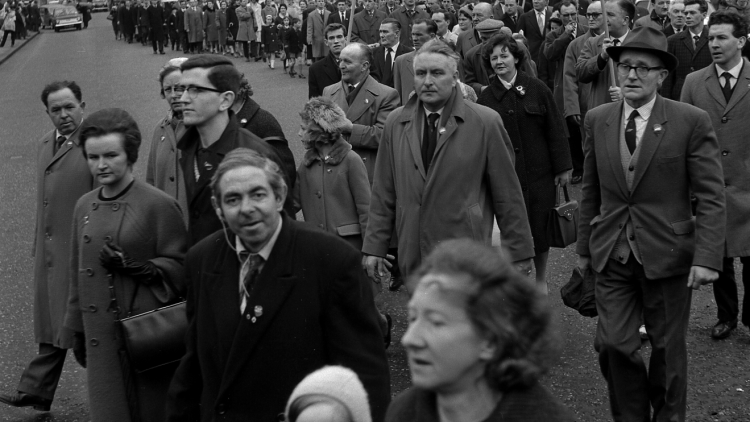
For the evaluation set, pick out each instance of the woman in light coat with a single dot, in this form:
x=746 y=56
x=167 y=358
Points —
x=246 y=32
x=9 y=26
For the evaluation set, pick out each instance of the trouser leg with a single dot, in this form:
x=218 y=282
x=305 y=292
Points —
x=666 y=304
x=746 y=284
x=246 y=48
x=43 y=373
x=576 y=146
x=619 y=303
x=725 y=292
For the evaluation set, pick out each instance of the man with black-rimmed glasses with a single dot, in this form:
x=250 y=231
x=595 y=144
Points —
x=210 y=85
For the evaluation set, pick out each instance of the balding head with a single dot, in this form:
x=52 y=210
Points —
x=481 y=12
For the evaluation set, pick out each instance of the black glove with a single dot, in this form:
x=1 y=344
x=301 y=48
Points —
x=79 y=348
x=113 y=258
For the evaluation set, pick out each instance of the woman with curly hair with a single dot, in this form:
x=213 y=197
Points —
x=478 y=340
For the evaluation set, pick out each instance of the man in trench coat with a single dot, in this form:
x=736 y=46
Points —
x=194 y=28
x=63 y=176
x=705 y=89
x=316 y=24
x=464 y=180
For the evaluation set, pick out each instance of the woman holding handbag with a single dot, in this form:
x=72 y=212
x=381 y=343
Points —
x=535 y=127
x=127 y=250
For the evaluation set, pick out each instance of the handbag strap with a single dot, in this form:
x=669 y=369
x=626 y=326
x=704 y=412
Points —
x=565 y=193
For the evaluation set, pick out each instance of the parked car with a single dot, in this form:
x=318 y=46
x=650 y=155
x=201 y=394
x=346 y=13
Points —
x=58 y=16
x=99 y=6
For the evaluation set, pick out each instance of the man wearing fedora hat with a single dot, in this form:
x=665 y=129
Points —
x=644 y=156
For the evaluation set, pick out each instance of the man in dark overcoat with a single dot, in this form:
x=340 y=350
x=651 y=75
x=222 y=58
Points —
x=367 y=23
x=272 y=300
x=156 y=19
x=63 y=176
x=125 y=17
x=690 y=46
x=326 y=72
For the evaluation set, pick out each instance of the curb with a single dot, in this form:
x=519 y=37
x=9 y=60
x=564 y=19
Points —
x=16 y=48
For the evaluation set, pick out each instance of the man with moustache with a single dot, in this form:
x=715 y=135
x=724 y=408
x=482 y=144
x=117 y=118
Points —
x=63 y=176
x=690 y=47
x=326 y=72
x=367 y=23
x=659 y=17
x=722 y=90
x=422 y=31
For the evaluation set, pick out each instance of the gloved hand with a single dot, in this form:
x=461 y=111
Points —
x=113 y=258
x=79 y=348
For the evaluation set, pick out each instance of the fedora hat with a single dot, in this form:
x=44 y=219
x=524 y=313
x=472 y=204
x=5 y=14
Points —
x=648 y=40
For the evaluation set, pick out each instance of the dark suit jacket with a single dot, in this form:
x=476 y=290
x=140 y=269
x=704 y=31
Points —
x=336 y=18
x=508 y=21
x=321 y=74
x=691 y=59
x=679 y=154
x=378 y=63
x=527 y=23
x=317 y=309
x=403 y=18
x=156 y=19
x=466 y=41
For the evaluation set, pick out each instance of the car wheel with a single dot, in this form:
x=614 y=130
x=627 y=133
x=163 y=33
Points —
x=78 y=27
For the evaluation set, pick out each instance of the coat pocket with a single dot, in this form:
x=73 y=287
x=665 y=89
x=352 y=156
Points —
x=683 y=226
x=348 y=230
x=665 y=160
x=535 y=109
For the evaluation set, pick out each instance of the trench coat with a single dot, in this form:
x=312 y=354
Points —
x=221 y=26
x=470 y=181
x=702 y=89
x=315 y=26
x=209 y=25
x=194 y=25
x=334 y=193
x=246 y=31
x=163 y=169
x=147 y=224
x=61 y=180
x=535 y=127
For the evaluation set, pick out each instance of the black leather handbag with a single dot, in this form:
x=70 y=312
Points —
x=155 y=338
x=579 y=293
x=562 y=222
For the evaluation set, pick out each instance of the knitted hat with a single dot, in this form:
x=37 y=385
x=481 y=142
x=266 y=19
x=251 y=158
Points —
x=339 y=383
x=325 y=113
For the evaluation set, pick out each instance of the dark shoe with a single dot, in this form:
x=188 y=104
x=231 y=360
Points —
x=301 y=76
x=257 y=59
x=395 y=283
x=722 y=329
x=161 y=52
x=387 y=338
x=576 y=180
x=25 y=400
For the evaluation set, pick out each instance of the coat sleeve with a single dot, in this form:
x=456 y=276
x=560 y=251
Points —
x=590 y=192
x=587 y=67
x=310 y=26
x=707 y=182
x=151 y=164
x=507 y=198
x=363 y=136
x=171 y=244
x=470 y=76
x=359 y=186
x=570 y=84
x=355 y=32
x=73 y=315
x=352 y=333
x=557 y=142
x=555 y=46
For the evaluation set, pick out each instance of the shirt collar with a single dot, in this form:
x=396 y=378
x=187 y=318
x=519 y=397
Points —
x=644 y=111
x=735 y=71
x=622 y=38
x=428 y=112
x=509 y=85
x=265 y=252
x=394 y=48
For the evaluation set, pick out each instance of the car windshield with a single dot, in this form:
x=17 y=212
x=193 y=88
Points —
x=60 y=11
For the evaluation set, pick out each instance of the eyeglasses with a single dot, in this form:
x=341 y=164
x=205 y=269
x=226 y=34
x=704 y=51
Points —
x=593 y=15
x=640 y=71
x=193 y=91
x=569 y=15
x=174 y=89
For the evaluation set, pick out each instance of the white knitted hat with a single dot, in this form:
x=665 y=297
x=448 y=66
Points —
x=339 y=383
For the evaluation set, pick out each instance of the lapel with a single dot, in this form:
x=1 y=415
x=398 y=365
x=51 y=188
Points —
x=612 y=139
x=65 y=148
x=702 y=41
x=272 y=288
x=331 y=69
x=687 y=40
x=224 y=290
x=713 y=86
x=453 y=111
x=650 y=140
x=365 y=99
x=413 y=117
x=338 y=95
x=409 y=63
x=741 y=87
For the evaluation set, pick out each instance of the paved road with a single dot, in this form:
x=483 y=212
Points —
x=115 y=74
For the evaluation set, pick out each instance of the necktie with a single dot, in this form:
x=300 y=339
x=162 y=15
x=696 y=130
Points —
x=410 y=13
x=58 y=143
x=630 y=131
x=249 y=274
x=695 y=40
x=429 y=139
x=540 y=22
x=514 y=19
x=342 y=17
x=727 y=88
x=616 y=42
x=350 y=95
x=388 y=65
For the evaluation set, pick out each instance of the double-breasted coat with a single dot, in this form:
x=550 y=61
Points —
x=703 y=90
x=62 y=178
x=367 y=112
x=194 y=25
x=470 y=180
x=334 y=193
x=163 y=167
x=247 y=24
x=147 y=224
x=534 y=125
x=316 y=23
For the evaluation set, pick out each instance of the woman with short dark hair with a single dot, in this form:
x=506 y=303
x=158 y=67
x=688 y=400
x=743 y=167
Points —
x=127 y=248
x=477 y=343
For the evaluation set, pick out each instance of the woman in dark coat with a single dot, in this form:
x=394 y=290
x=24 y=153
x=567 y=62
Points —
x=209 y=25
x=232 y=25
x=128 y=244
x=536 y=129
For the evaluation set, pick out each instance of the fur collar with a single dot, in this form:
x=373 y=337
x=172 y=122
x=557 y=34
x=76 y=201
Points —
x=335 y=157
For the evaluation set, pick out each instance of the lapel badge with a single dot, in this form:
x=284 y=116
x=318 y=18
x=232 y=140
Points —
x=441 y=130
x=258 y=310
x=367 y=101
x=243 y=121
x=208 y=166
x=657 y=129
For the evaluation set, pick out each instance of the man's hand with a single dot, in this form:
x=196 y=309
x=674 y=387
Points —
x=615 y=93
x=376 y=267
x=348 y=127
x=576 y=119
x=700 y=276
x=570 y=28
x=563 y=178
x=606 y=43
x=584 y=263
x=523 y=266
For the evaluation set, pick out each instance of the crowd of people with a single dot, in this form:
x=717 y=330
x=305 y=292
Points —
x=425 y=124
x=17 y=19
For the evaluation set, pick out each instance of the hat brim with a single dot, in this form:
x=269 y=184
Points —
x=670 y=61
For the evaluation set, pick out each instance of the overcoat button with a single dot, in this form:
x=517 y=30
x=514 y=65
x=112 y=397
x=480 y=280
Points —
x=94 y=342
x=171 y=178
x=47 y=172
x=115 y=207
x=163 y=138
x=280 y=417
x=45 y=202
x=86 y=238
x=631 y=237
x=364 y=158
x=94 y=206
x=511 y=112
x=517 y=150
x=631 y=168
x=92 y=308
x=89 y=272
x=725 y=152
x=107 y=239
x=724 y=119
